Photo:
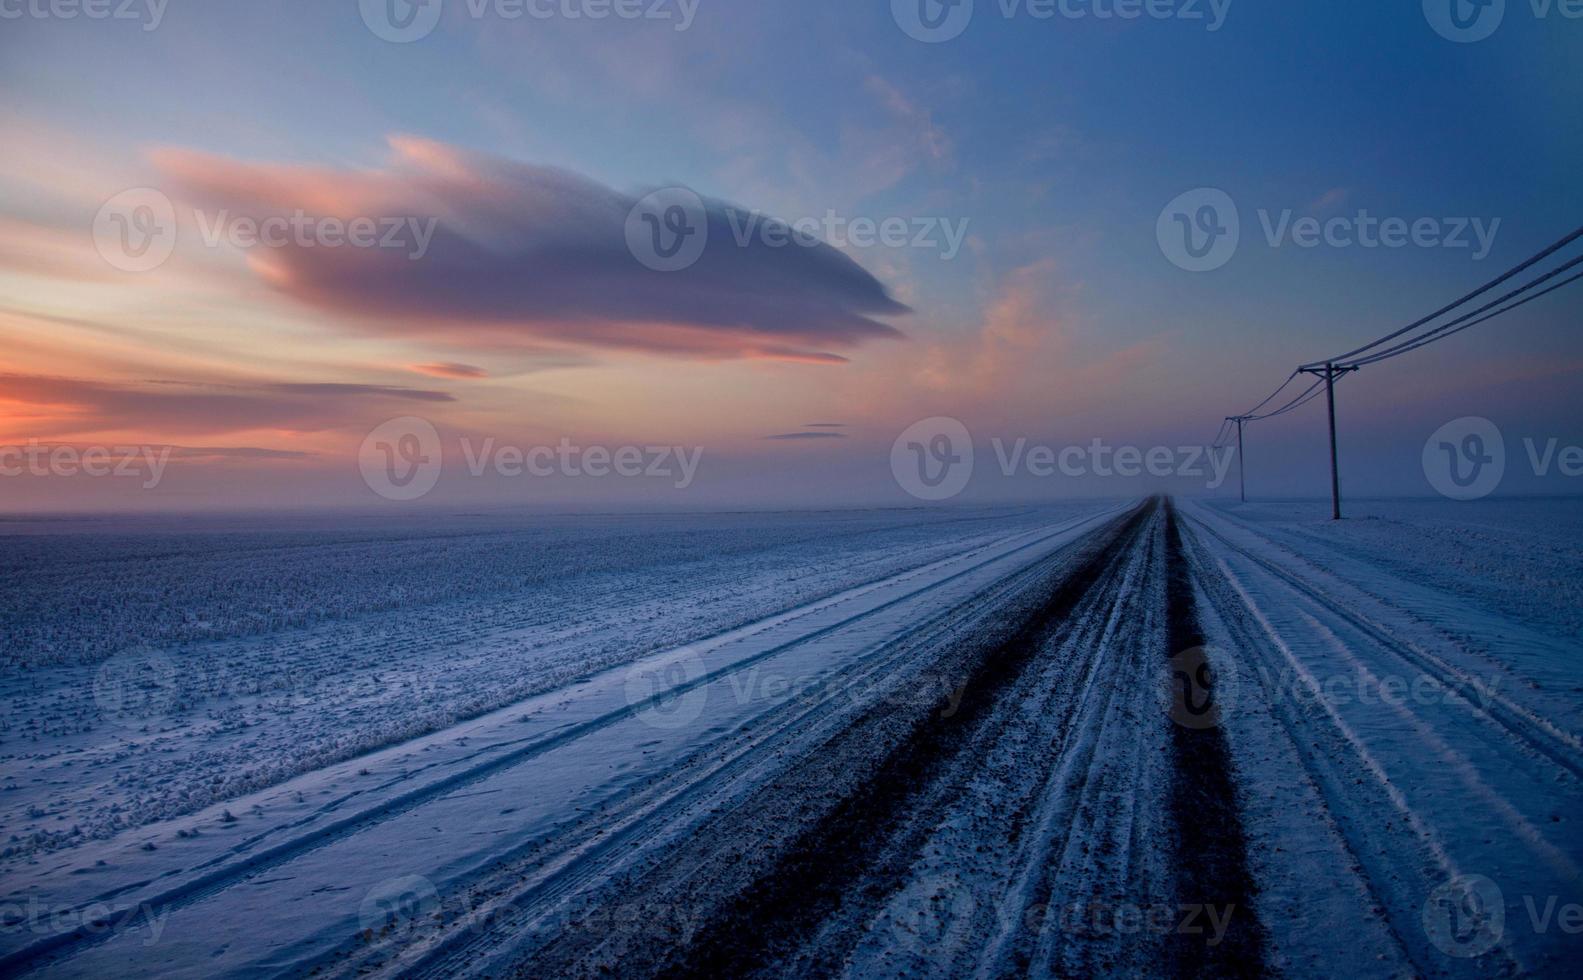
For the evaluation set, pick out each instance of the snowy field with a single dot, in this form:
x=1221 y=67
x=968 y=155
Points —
x=1406 y=727
x=866 y=743
x=154 y=671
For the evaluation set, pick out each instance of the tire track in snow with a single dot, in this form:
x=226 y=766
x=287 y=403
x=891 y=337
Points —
x=1210 y=843
x=1069 y=857
x=1384 y=802
x=1541 y=735
x=520 y=898
x=1029 y=783
x=814 y=868
x=238 y=869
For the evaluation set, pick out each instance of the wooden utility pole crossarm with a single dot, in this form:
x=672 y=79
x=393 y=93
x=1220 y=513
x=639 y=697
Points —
x=1242 y=461
x=1329 y=373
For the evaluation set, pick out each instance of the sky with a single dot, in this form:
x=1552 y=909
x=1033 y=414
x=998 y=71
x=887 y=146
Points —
x=982 y=216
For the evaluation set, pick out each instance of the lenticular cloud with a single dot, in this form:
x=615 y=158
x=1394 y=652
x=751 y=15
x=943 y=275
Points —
x=524 y=255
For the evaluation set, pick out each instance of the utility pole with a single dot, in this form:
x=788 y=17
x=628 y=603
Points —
x=1330 y=373
x=1242 y=460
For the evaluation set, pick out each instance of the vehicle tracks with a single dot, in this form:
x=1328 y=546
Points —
x=1389 y=774
x=323 y=829
x=988 y=836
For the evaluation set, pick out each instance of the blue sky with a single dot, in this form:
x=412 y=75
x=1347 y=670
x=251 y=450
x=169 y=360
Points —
x=1057 y=142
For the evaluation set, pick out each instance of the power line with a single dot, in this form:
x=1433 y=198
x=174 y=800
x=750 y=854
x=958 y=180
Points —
x=1546 y=253
x=1334 y=369
x=1458 y=325
x=1312 y=394
x=1524 y=300
x=1255 y=409
x=1220 y=434
x=1301 y=399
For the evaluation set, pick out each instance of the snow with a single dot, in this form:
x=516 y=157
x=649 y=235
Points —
x=421 y=629
x=241 y=746
x=412 y=677
x=1407 y=707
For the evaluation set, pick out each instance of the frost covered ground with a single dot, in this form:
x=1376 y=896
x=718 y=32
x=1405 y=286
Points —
x=152 y=670
x=863 y=743
x=1407 y=724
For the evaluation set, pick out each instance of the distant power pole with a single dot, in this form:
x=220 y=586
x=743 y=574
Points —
x=1242 y=460
x=1330 y=373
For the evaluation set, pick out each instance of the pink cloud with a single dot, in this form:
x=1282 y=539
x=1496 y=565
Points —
x=450 y=369
x=528 y=256
x=45 y=406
